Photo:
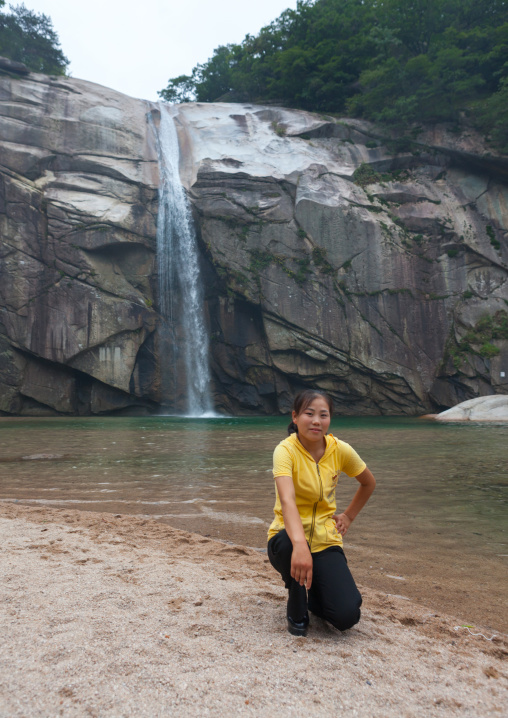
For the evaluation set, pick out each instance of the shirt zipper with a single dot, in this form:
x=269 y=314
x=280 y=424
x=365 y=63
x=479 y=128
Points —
x=312 y=526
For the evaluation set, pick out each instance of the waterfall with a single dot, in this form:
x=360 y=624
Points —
x=184 y=342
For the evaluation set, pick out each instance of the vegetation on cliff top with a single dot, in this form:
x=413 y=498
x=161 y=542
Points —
x=391 y=61
x=28 y=37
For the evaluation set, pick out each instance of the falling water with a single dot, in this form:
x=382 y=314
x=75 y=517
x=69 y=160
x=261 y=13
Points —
x=180 y=292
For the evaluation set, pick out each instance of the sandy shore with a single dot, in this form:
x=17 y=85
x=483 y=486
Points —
x=105 y=615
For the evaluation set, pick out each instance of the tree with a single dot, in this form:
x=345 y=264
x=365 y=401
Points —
x=395 y=62
x=28 y=37
x=179 y=89
x=438 y=59
x=491 y=116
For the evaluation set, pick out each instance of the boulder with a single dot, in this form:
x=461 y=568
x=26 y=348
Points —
x=483 y=408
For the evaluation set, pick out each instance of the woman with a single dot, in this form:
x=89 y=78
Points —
x=305 y=538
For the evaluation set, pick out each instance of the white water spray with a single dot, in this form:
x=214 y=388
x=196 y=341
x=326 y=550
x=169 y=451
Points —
x=180 y=290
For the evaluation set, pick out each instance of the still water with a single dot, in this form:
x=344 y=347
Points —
x=435 y=530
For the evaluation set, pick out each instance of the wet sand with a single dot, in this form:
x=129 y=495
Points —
x=105 y=615
x=408 y=564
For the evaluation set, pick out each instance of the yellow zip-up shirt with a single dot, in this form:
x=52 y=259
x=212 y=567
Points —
x=314 y=486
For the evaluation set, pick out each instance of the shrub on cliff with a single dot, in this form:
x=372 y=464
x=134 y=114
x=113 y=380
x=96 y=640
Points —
x=28 y=37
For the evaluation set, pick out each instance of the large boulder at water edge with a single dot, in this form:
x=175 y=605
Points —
x=332 y=256
x=483 y=408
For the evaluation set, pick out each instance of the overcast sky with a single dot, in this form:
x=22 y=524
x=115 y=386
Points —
x=135 y=46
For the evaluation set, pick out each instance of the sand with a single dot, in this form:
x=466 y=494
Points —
x=105 y=615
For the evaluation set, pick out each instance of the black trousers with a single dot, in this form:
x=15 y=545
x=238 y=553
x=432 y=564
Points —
x=333 y=594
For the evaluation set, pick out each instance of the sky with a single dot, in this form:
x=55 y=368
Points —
x=136 y=46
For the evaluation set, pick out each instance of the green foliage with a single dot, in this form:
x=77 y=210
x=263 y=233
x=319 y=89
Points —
x=391 y=61
x=237 y=278
x=441 y=58
x=260 y=260
x=403 y=290
x=300 y=276
x=488 y=350
x=365 y=175
x=452 y=252
x=320 y=260
x=179 y=89
x=492 y=236
x=309 y=57
x=244 y=233
x=28 y=37
x=492 y=327
x=279 y=130
x=491 y=115
x=479 y=340
x=400 y=144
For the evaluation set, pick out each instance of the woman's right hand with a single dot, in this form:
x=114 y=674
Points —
x=301 y=559
x=301 y=564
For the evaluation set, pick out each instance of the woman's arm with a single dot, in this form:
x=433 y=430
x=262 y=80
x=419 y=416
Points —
x=301 y=559
x=367 y=485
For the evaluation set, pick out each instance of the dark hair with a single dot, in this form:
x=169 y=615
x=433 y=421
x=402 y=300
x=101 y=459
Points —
x=302 y=401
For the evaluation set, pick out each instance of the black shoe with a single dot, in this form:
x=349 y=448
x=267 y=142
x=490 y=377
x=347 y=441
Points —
x=298 y=628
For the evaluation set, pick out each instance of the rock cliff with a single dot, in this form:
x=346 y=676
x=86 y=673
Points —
x=78 y=211
x=371 y=267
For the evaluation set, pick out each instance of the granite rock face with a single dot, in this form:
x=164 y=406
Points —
x=332 y=257
x=78 y=211
x=375 y=269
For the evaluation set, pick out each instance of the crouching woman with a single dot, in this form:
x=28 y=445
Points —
x=305 y=538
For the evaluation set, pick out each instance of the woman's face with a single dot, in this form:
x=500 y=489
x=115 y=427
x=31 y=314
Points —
x=313 y=422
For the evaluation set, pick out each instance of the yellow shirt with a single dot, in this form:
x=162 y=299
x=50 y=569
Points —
x=314 y=487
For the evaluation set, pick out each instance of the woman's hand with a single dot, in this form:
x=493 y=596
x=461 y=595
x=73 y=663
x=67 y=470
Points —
x=301 y=564
x=342 y=523
x=367 y=485
x=301 y=559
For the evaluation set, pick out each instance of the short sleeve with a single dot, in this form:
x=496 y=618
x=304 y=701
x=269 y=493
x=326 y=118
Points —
x=282 y=461
x=352 y=464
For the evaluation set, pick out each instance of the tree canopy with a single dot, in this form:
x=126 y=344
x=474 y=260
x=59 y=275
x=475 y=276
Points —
x=395 y=62
x=29 y=37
